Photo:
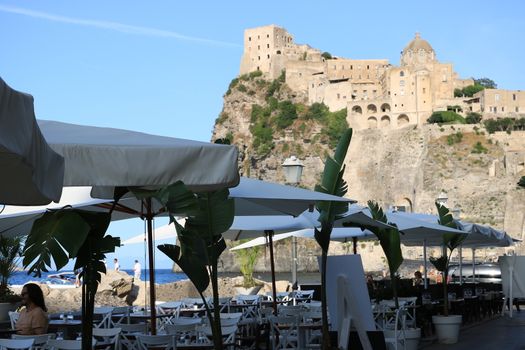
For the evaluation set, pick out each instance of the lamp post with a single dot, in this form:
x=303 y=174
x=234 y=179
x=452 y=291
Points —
x=293 y=169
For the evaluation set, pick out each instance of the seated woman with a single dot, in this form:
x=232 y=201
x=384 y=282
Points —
x=33 y=319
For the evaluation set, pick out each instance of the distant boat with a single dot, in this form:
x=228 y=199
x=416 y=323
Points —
x=61 y=280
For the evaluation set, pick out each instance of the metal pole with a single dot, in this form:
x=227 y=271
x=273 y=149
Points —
x=294 y=260
x=272 y=266
x=354 y=239
x=461 y=264
x=425 y=262
x=474 y=265
x=153 y=311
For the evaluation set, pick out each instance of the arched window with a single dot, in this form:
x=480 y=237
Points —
x=371 y=108
x=401 y=74
x=357 y=110
x=402 y=120
x=385 y=121
x=372 y=123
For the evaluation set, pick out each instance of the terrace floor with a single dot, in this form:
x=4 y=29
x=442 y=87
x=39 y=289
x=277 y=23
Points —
x=500 y=333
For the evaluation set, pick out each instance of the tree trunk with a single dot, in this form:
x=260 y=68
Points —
x=89 y=289
x=445 y=291
x=324 y=308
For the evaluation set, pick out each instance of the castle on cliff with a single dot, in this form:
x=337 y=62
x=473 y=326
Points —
x=376 y=93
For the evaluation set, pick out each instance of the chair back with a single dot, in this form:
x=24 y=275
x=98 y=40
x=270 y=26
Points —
x=16 y=344
x=133 y=328
x=119 y=314
x=187 y=320
x=247 y=299
x=181 y=329
x=103 y=316
x=156 y=341
x=40 y=341
x=60 y=344
x=13 y=317
x=108 y=336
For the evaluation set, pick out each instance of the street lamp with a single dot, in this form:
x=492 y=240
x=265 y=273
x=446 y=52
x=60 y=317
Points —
x=442 y=199
x=293 y=169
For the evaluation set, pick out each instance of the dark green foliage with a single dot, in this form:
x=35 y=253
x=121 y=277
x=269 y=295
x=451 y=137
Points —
x=449 y=117
x=221 y=118
x=521 y=183
x=473 y=118
x=276 y=85
x=326 y=55
x=286 y=115
x=468 y=91
x=486 y=83
x=317 y=111
x=242 y=88
x=479 y=148
x=10 y=250
x=335 y=125
x=454 y=138
x=504 y=124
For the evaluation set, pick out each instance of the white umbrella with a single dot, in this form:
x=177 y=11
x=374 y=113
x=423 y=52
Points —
x=18 y=220
x=160 y=233
x=107 y=158
x=32 y=172
x=338 y=234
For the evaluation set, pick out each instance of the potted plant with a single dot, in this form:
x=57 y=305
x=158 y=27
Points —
x=447 y=326
x=247 y=259
x=391 y=243
x=10 y=249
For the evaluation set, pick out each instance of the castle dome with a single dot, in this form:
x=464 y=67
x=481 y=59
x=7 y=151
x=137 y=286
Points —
x=418 y=51
x=418 y=44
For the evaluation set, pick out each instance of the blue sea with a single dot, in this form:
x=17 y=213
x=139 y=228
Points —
x=162 y=276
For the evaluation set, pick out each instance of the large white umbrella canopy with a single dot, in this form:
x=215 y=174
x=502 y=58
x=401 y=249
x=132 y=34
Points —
x=338 y=234
x=31 y=172
x=106 y=158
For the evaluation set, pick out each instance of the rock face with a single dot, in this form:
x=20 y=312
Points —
x=405 y=168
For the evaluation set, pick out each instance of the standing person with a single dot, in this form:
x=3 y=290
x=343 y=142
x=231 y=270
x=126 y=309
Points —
x=33 y=319
x=137 y=269
x=116 y=265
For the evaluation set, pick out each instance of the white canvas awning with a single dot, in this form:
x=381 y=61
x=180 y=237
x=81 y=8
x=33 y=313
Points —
x=31 y=173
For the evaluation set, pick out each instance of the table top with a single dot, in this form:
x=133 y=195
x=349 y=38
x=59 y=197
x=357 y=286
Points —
x=147 y=315
x=65 y=323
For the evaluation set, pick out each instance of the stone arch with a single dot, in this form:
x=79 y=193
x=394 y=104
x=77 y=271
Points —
x=385 y=107
x=402 y=119
x=404 y=205
x=372 y=123
x=278 y=52
x=385 y=121
x=371 y=108
x=357 y=110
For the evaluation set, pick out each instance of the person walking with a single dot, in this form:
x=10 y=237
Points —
x=116 y=265
x=137 y=269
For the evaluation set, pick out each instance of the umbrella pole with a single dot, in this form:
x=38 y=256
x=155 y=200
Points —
x=425 y=262
x=474 y=266
x=153 y=311
x=272 y=265
x=461 y=264
x=354 y=239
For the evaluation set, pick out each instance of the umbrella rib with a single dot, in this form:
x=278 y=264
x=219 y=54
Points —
x=119 y=207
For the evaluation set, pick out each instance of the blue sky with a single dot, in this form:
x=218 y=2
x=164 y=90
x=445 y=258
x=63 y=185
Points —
x=162 y=66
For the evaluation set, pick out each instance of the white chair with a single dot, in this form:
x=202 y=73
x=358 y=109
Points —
x=399 y=329
x=16 y=344
x=189 y=302
x=55 y=344
x=129 y=332
x=410 y=304
x=229 y=334
x=291 y=310
x=156 y=341
x=302 y=296
x=170 y=308
x=39 y=341
x=183 y=333
x=103 y=316
x=109 y=337
x=284 y=331
x=13 y=317
x=118 y=315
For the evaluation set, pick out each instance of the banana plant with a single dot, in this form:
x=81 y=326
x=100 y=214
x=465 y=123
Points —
x=390 y=242
x=331 y=183
x=60 y=235
x=450 y=241
x=201 y=244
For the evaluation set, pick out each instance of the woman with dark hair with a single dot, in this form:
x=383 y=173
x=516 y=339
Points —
x=33 y=319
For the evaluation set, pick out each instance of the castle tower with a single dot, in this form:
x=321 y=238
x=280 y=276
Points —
x=417 y=52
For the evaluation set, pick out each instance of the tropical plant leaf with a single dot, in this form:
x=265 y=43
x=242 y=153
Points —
x=439 y=263
x=55 y=237
x=521 y=183
x=215 y=215
x=451 y=240
x=190 y=264
x=388 y=238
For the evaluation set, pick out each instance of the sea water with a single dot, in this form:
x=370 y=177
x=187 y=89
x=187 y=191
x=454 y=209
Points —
x=162 y=276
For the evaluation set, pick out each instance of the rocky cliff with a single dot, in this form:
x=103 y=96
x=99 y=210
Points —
x=406 y=168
